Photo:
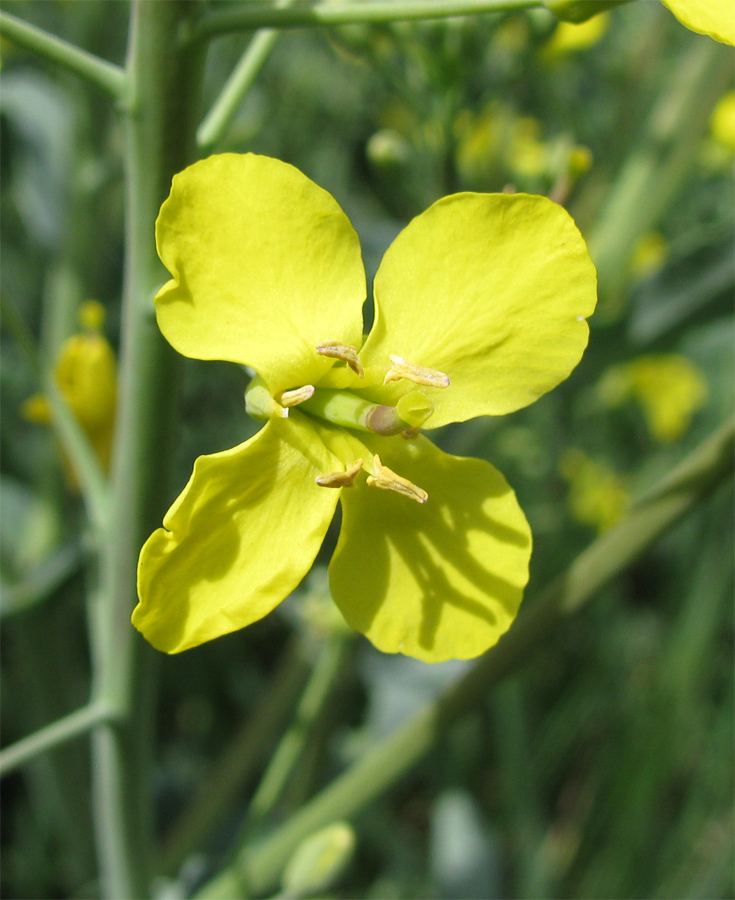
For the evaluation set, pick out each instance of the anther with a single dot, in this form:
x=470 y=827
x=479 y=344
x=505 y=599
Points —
x=341 y=479
x=335 y=350
x=388 y=480
x=410 y=434
x=298 y=395
x=418 y=374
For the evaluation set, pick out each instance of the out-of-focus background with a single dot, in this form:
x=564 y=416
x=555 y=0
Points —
x=604 y=767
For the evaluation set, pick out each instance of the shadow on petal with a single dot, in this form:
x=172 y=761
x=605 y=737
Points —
x=440 y=580
x=240 y=537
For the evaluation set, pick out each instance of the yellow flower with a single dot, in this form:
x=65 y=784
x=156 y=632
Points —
x=669 y=388
x=715 y=18
x=649 y=254
x=86 y=374
x=480 y=308
x=722 y=123
x=569 y=37
x=598 y=496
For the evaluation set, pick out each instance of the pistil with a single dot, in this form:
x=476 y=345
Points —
x=350 y=411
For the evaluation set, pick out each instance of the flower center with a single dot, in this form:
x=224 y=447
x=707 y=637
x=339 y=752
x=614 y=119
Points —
x=350 y=411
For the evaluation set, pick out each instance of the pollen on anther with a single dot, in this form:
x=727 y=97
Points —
x=343 y=352
x=388 y=480
x=296 y=396
x=341 y=479
x=401 y=368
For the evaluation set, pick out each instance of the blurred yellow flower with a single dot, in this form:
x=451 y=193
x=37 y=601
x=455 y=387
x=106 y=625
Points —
x=480 y=303
x=722 y=123
x=86 y=373
x=649 y=254
x=569 y=37
x=668 y=387
x=597 y=496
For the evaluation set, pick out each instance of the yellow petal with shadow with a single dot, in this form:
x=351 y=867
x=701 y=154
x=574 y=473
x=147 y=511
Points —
x=239 y=538
x=439 y=580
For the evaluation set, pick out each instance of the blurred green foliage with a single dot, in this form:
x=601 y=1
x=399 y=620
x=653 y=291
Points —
x=604 y=768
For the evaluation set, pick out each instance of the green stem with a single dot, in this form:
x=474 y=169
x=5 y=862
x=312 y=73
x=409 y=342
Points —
x=259 y=865
x=655 y=168
x=87 y=468
x=105 y=75
x=327 y=13
x=160 y=124
x=218 y=119
x=65 y=729
x=316 y=693
x=220 y=789
x=43 y=581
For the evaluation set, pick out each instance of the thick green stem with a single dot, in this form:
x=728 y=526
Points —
x=103 y=74
x=164 y=84
x=327 y=13
x=259 y=865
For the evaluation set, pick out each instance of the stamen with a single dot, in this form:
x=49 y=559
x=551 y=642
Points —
x=418 y=374
x=388 y=480
x=335 y=350
x=298 y=395
x=410 y=434
x=341 y=479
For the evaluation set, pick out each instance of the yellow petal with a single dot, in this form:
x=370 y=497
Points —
x=265 y=267
x=713 y=17
x=493 y=291
x=238 y=539
x=437 y=580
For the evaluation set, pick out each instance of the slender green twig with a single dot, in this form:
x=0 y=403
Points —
x=325 y=13
x=222 y=787
x=316 y=693
x=43 y=580
x=258 y=866
x=12 y=320
x=77 y=447
x=103 y=74
x=92 y=479
x=65 y=729
x=654 y=169
x=218 y=119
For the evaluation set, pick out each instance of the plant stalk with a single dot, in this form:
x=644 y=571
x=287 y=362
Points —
x=260 y=15
x=160 y=123
x=105 y=75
